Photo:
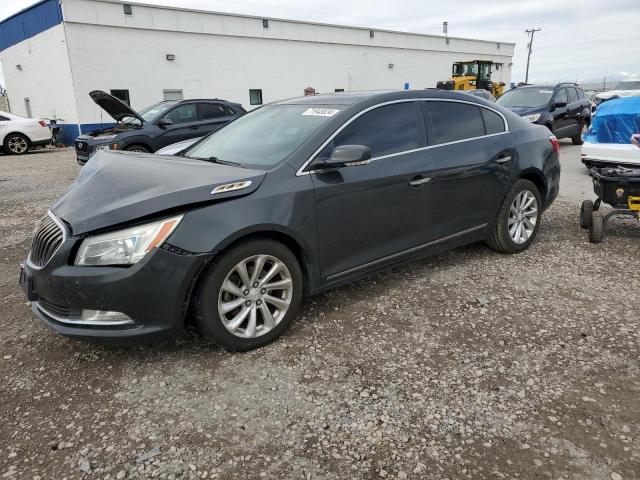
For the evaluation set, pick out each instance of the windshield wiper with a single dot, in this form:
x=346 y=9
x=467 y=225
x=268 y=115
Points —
x=217 y=160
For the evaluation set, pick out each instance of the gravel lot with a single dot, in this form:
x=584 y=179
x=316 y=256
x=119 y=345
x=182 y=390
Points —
x=470 y=364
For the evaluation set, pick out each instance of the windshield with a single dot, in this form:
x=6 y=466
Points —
x=265 y=136
x=154 y=112
x=635 y=85
x=529 y=97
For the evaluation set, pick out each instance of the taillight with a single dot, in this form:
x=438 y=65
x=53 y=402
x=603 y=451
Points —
x=554 y=143
x=42 y=123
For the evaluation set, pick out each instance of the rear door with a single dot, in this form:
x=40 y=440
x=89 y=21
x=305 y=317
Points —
x=574 y=107
x=473 y=156
x=213 y=116
x=367 y=214
x=184 y=125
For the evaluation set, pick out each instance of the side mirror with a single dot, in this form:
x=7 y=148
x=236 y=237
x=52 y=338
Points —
x=164 y=121
x=346 y=155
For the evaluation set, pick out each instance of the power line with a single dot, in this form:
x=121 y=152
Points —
x=531 y=33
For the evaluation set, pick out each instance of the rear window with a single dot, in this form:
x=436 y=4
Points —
x=454 y=121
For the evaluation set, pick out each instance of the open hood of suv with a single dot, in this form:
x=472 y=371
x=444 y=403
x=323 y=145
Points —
x=114 y=107
x=119 y=187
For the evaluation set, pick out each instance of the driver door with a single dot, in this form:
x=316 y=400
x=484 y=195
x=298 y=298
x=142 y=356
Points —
x=184 y=125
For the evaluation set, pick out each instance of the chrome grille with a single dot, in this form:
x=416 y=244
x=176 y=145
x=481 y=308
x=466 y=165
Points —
x=47 y=238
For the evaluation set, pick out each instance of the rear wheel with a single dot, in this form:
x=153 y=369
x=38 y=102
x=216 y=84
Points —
x=577 y=139
x=16 y=144
x=250 y=296
x=137 y=148
x=518 y=219
x=596 y=229
x=586 y=209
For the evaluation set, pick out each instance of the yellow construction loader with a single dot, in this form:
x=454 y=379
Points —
x=473 y=75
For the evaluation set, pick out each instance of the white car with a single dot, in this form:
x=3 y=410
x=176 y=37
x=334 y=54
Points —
x=625 y=88
x=176 y=148
x=610 y=154
x=19 y=134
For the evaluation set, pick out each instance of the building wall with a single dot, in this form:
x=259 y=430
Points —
x=44 y=78
x=227 y=67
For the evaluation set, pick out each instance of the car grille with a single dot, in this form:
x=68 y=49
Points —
x=47 y=238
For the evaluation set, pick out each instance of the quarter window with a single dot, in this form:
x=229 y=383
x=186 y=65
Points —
x=183 y=114
x=454 y=121
x=493 y=123
x=385 y=130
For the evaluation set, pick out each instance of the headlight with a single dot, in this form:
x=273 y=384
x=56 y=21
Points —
x=105 y=137
x=125 y=247
x=532 y=118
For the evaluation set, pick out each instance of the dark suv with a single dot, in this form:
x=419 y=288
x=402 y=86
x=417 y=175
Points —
x=156 y=126
x=563 y=109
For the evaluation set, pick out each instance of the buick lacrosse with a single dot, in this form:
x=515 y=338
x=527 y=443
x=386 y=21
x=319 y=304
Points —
x=293 y=198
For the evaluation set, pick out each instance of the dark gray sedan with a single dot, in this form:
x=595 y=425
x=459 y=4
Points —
x=291 y=199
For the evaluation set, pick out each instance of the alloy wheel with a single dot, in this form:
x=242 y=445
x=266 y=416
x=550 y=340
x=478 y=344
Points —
x=17 y=145
x=255 y=296
x=523 y=216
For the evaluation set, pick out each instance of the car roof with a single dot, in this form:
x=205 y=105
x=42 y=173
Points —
x=352 y=98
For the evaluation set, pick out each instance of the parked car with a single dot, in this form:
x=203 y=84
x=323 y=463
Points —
x=18 y=134
x=625 y=88
x=564 y=109
x=291 y=199
x=156 y=126
x=608 y=140
x=479 y=92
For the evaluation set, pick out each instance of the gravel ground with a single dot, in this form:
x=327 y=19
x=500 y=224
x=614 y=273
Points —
x=470 y=364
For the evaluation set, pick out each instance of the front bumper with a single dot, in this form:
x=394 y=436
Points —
x=154 y=294
x=85 y=149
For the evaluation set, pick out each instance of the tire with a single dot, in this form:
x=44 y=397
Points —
x=577 y=139
x=596 y=229
x=500 y=238
x=211 y=299
x=137 y=148
x=16 y=144
x=586 y=209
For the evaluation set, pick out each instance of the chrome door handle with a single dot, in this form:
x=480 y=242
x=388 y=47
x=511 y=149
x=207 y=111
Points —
x=417 y=182
x=503 y=159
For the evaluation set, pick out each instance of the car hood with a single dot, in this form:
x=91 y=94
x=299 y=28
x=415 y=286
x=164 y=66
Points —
x=522 y=111
x=118 y=187
x=114 y=107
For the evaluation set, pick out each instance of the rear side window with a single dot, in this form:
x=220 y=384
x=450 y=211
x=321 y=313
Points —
x=573 y=96
x=454 y=121
x=385 y=130
x=493 y=122
x=207 y=111
x=581 y=94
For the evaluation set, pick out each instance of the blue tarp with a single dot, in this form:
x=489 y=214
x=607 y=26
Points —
x=615 y=121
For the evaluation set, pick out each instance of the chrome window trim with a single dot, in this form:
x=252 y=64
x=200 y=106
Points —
x=64 y=239
x=79 y=321
x=407 y=251
x=301 y=171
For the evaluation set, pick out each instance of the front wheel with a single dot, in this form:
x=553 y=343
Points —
x=137 y=148
x=250 y=296
x=518 y=219
x=16 y=144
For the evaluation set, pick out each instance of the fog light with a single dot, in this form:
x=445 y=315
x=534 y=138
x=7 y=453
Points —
x=105 y=317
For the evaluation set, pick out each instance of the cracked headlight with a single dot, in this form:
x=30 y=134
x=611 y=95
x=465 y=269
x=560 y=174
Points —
x=127 y=246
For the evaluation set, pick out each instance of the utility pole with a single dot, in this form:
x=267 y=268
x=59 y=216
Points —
x=529 y=32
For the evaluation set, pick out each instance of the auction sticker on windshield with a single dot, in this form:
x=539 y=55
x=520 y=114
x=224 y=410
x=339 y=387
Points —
x=320 y=112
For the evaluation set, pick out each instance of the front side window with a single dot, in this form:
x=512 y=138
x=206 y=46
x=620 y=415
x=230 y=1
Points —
x=154 y=112
x=183 y=114
x=385 y=130
x=561 y=96
x=454 y=121
x=572 y=95
x=265 y=136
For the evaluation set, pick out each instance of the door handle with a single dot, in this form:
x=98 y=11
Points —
x=503 y=159
x=419 y=181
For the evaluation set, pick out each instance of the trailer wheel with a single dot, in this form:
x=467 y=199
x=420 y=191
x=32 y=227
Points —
x=596 y=229
x=586 y=209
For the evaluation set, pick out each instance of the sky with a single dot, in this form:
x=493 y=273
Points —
x=579 y=40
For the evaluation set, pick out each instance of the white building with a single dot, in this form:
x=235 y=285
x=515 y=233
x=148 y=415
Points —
x=57 y=51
